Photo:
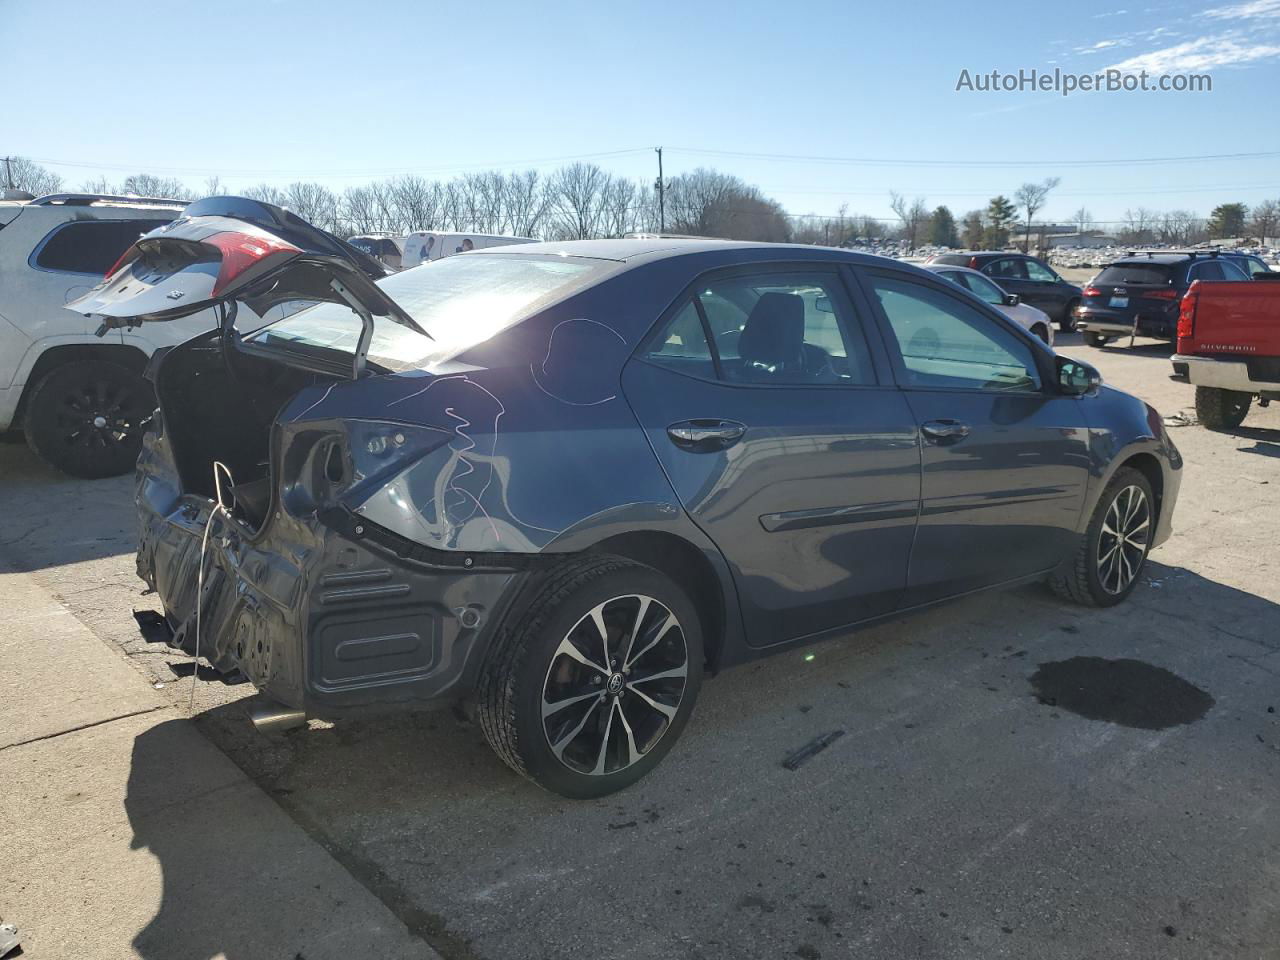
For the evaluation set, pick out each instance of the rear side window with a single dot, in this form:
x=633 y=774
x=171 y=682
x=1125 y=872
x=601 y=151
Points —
x=90 y=246
x=772 y=328
x=1208 y=272
x=1135 y=273
x=1009 y=268
x=945 y=343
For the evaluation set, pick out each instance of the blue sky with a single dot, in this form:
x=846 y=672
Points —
x=277 y=90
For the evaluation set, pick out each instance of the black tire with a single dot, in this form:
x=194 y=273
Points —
x=528 y=661
x=1068 y=321
x=1041 y=332
x=1221 y=409
x=87 y=418
x=1098 y=340
x=1086 y=577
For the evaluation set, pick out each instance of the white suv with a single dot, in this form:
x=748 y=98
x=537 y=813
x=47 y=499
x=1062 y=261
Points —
x=80 y=398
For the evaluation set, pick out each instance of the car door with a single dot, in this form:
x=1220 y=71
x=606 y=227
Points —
x=781 y=431
x=1004 y=454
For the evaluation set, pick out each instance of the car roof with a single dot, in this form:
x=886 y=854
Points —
x=656 y=248
x=1161 y=259
x=956 y=267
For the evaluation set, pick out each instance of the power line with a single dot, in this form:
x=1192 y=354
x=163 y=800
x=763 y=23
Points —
x=311 y=172
x=951 y=162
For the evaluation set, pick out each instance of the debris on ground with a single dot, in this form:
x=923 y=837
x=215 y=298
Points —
x=9 y=939
x=811 y=749
x=1180 y=419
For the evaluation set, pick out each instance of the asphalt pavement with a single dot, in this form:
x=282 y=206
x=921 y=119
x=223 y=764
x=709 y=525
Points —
x=1016 y=777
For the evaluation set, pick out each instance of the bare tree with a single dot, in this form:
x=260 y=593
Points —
x=1083 y=220
x=213 y=187
x=266 y=193
x=913 y=215
x=575 y=194
x=1031 y=197
x=314 y=203
x=149 y=185
x=23 y=174
x=1137 y=225
x=527 y=202
x=1264 y=219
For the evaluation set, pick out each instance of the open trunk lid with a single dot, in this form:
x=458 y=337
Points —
x=228 y=250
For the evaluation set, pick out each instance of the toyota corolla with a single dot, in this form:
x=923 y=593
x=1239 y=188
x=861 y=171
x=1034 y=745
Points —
x=568 y=480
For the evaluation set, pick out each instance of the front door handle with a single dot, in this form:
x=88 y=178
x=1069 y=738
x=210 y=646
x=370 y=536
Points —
x=944 y=431
x=706 y=436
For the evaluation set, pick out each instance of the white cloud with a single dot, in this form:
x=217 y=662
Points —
x=1252 y=10
x=1203 y=54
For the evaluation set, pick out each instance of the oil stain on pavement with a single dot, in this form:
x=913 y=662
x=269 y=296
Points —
x=1126 y=692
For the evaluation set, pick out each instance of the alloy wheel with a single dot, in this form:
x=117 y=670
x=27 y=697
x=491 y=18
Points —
x=1124 y=538
x=614 y=685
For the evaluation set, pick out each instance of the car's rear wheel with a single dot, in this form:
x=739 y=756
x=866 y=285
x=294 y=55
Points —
x=87 y=418
x=1221 y=409
x=588 y=691
x=1068 y=321
x=1096 y=339
x=1113 y=551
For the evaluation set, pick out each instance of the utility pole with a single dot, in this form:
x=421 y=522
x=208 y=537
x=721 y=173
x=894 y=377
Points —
x=8 y=172
x=662 y=196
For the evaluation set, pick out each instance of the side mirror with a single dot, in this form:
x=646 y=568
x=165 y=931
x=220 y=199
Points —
x=1011 y=300
x=1076 y=378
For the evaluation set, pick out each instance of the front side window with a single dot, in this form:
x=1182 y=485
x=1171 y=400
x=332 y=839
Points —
x=90 y=246
x=945 y=343
x=772 y=328
x=1037 y=271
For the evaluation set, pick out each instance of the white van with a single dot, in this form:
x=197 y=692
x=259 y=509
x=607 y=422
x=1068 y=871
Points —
x=381 y=246
x=423 y=245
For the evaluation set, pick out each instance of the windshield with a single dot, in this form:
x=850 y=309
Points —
x=459 y=301
x=1136 y=273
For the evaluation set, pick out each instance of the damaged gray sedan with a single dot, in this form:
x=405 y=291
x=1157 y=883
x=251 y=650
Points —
x=564 y=480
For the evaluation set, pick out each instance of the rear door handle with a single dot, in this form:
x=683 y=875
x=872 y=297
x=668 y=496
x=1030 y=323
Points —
x=705 y=436
x=944 y=431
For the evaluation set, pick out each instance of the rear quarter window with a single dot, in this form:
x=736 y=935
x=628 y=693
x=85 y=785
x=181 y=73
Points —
x=89 y=246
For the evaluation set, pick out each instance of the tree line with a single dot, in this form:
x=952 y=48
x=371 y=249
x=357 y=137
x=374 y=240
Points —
x=583 y=200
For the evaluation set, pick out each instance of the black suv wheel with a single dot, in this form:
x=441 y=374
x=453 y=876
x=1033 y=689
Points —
x=591 y=688
x=87 y=418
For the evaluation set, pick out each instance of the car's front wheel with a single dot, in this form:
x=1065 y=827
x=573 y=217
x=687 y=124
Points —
x=1106 y=565
x=1221 y=409
x=87 y=418
x=588 y=691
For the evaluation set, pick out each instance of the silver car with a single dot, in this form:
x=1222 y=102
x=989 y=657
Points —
x=980 y=285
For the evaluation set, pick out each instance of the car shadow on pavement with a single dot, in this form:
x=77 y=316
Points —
x=1267 y=440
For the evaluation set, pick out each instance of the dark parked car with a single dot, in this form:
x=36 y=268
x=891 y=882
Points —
x=1148 y=288
x=567 y=479
x=1033 y=280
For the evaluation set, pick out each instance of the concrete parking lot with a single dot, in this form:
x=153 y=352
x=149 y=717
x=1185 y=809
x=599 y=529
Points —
x=995 y=793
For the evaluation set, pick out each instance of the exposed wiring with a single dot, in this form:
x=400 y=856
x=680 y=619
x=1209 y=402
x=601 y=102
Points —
x=219 y=507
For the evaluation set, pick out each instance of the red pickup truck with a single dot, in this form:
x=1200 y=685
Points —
x=1229 y=347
